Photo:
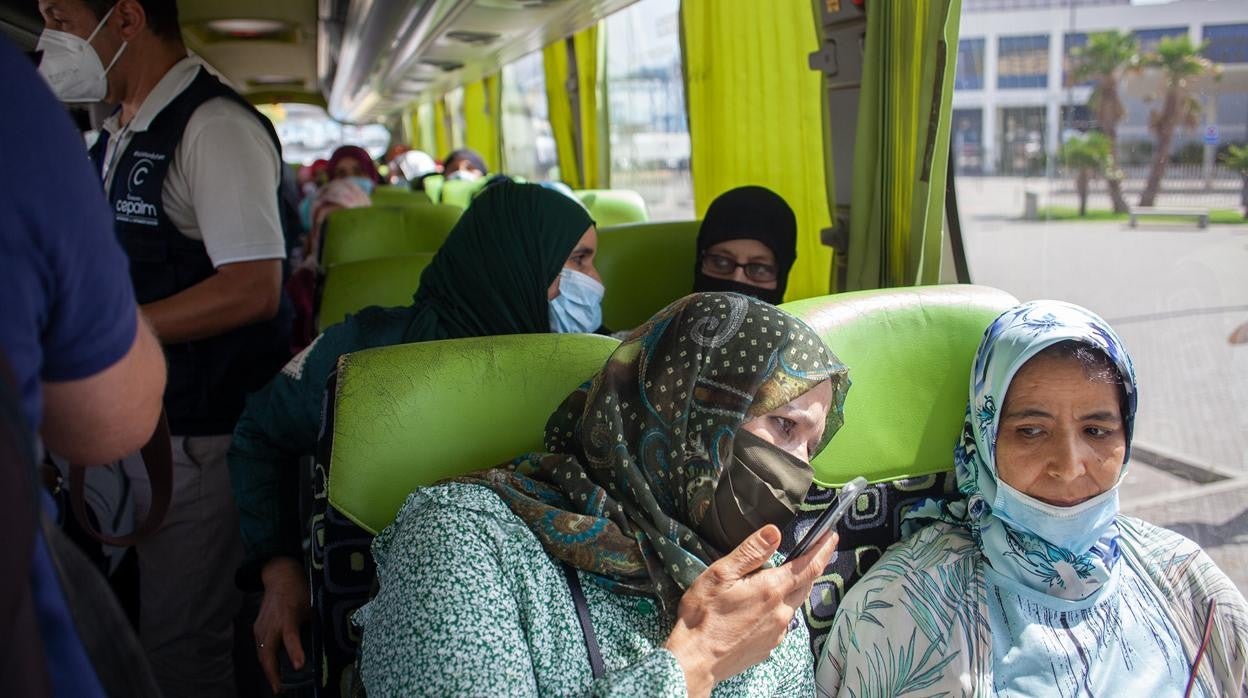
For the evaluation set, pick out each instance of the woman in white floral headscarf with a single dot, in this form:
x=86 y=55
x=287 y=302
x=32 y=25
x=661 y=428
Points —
x=1031 y=583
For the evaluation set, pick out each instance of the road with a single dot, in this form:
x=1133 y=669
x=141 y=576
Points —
x=1174 y=293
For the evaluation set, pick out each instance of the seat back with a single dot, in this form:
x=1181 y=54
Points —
x=432 y=186
x=398 y=196
x=909 y=352
x=610 y=207
x=409 y=415
x=459 y=192
x=644 y=267
x=354 y=234
x=351 y=286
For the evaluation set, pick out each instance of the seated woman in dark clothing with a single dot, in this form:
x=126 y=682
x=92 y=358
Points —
x=519 y=261
x=747 y=244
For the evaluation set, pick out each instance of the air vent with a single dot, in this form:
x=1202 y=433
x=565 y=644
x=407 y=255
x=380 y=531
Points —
x=518 y=4
x=274 y=81
x=473 y=38
x=444 y=66
x=216 y=30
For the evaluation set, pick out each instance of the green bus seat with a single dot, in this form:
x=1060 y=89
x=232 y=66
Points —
x=909 y=352
x=459 y=192
x=386 y=281
x=432 y=186
x=613 y=206
x=353 y=234
x=398 y=196
x=644 y=267
x=400 y=418
x=402 y=414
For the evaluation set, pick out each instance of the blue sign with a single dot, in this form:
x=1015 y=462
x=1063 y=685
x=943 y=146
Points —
x=1211 y=134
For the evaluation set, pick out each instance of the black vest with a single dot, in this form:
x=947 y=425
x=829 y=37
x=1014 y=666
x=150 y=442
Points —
x=209 y=378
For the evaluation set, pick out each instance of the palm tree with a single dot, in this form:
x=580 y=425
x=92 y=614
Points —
x=1104 y=60
x=1236 y=158
x=1180 y=63
x=1088 y=155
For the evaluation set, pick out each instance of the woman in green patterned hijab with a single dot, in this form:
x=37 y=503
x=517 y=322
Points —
x=667 y=478
x=636 y=456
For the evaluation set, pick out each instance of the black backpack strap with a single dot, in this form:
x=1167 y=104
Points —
x=115 y=653
x=23 y=666
x=582 y=615
x=157 y=456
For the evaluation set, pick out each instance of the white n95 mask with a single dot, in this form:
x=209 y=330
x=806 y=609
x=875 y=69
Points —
x=71 y=66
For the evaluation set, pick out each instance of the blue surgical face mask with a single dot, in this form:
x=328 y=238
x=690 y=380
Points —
x=1074 y=528
x=364 y=183
x=578 y=307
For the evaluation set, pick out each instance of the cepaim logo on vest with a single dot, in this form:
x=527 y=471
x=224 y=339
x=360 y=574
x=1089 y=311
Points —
x=134 y=208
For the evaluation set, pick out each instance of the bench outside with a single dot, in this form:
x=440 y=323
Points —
x=1200 y=214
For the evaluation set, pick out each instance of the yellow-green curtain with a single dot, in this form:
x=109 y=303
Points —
x=755 y=115
x=454 y=101
x=902 y=148
x=583 y=163
x=481 y=121
x=591 y=73
x=407 y=125
x=422 y=128
x=494 y=108
x=441 y=129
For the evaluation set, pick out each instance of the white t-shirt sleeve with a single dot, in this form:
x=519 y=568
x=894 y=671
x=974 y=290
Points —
x=222 y=187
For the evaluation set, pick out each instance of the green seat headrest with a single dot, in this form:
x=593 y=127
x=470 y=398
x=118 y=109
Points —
x=351 y=286
x=613 y=206
x=354 y=234
x=459 y=192
x=909 y=352
x=413 y=414
x=644 y=267
x=409 y=415
x=398 y=196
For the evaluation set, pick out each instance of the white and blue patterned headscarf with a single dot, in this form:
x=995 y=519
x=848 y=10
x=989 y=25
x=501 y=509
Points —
x=1013 y=339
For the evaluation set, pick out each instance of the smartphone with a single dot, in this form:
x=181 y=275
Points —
x=829 y=518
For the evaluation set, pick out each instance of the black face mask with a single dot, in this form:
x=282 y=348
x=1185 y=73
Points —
x=703 y=283
x=761 y=485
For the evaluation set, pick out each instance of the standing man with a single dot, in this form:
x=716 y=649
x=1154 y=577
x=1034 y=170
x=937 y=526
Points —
x=192 y=174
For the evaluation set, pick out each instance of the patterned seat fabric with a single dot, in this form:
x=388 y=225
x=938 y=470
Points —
x=869 y=527
x=343 y=577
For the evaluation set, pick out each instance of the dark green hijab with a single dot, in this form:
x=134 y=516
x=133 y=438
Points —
x=491 y=275
x=635 y=455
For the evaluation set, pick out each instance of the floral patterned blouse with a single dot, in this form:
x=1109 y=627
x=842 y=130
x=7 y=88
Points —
x=470 y=604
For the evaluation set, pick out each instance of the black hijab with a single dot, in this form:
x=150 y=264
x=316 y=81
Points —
x=749 y=213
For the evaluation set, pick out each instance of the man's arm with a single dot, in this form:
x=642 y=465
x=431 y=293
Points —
x=111 y=413
x=238 y=295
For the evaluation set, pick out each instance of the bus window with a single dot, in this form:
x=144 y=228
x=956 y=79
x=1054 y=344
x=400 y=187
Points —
x=528 y=146
x=1076 y=181
x=308 y=133
x=649 y=131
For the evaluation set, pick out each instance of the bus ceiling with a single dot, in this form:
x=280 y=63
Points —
x=267 y=50
x=377 y=57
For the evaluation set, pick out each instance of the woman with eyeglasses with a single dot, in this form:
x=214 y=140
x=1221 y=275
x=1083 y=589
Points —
x=747 y=244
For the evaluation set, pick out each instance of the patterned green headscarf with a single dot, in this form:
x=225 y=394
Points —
x=635 y=455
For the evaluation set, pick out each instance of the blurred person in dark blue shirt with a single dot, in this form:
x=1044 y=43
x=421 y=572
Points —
x=88 y=372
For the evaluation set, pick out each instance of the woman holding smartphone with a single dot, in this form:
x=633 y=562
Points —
x=633 y=557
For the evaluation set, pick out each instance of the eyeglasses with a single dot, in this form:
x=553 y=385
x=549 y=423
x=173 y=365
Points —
x=719 y=265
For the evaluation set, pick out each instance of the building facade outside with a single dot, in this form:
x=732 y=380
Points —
x=1013 y=102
